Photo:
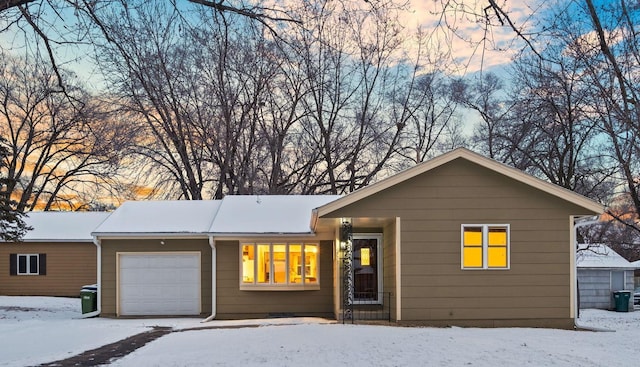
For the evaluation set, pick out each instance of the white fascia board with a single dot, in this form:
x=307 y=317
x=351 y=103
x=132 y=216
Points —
x=138 y=235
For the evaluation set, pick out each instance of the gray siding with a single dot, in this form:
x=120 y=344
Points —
x=596 y=291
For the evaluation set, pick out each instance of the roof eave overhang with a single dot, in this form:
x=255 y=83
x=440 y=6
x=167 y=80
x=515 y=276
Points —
x=223 y=235
x=58 y=240
x=217 y=235
x=125 y=235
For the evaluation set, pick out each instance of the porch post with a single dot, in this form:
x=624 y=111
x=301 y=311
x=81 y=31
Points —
x=346 y=242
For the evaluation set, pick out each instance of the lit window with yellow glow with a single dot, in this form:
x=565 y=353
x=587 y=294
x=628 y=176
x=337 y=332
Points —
x=485 y=246
x=279 y=264
x=248 y=261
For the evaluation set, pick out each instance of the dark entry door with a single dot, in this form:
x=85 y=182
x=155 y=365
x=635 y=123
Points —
x=367 y=268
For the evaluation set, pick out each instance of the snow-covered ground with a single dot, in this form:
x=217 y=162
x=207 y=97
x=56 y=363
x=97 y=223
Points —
x=36 y=330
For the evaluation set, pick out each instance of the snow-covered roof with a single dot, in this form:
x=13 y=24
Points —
x=160 y=217
x=234 y=215
x=601 y=256
x=264 y=214
x=62 y=226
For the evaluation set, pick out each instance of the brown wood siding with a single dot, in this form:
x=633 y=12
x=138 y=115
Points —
x=112 y=246
x=432 y=208
x=69 y=266
x=233 y=303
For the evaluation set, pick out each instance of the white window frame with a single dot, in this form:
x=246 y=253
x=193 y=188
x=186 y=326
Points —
x=29 y=270
x=485 y=246
x=271 y=286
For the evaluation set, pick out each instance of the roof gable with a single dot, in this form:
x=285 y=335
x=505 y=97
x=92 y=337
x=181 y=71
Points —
x=462 y=153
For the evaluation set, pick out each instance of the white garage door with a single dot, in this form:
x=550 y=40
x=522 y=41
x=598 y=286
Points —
x=159 y=284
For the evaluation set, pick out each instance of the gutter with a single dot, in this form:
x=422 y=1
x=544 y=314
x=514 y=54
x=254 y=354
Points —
x=96 y=241
x=586 y=221
x=212 y=243
x=149 y=235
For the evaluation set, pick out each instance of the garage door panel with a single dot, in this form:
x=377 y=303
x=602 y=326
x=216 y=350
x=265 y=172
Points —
x=159 y=284
x=189 y=274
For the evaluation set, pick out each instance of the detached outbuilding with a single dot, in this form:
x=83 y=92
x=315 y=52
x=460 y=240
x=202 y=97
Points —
x=601 y=272
x=56 y=258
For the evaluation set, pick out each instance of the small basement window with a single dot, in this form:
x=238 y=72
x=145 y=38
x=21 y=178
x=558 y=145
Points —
x=485 y=246
x=279 y=266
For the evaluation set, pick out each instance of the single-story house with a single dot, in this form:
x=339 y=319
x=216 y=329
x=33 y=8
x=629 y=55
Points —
x=56 y=258
x=602 y=271
x=458 y=240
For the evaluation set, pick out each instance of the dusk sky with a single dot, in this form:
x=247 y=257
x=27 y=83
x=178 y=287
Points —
x=480 y=50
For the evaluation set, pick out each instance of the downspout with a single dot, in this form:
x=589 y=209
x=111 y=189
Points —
x=212 y=243
x=96 y=241
x=578 y=223
x=314 y=219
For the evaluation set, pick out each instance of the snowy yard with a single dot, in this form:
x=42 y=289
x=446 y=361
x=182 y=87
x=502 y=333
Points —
x=37 y=330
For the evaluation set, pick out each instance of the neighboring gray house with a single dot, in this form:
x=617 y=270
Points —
x=602 y=271
x=636 y=264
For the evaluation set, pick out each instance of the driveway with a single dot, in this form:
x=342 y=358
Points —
x=110 y=352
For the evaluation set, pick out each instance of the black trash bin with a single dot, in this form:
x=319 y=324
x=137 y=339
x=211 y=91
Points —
x=89 y=297
x=621 y=300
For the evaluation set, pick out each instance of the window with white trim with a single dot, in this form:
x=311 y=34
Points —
x=279 y=264
x=27 y=264
x=485 y=246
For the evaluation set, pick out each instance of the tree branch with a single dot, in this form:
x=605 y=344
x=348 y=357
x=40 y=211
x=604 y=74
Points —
x=504 y=16
x=45 y=39
x=604 y=47
x=8 y=4
x=616 y=217
x=247 y=12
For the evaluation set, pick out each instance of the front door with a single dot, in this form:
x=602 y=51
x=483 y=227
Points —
x=367 y=268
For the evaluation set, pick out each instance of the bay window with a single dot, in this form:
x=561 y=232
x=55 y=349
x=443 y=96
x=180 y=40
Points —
x=279 y=265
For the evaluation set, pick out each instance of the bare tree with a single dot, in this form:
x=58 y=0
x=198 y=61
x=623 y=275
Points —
x=486 y=97
x=42 y=19
x=12 y=224
x=145 y=59
x=430 y=120
x=56 y=150
x=347 y=56
x=553 y=133
x=613 y=71
x=239 y=68
x=199 y=86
